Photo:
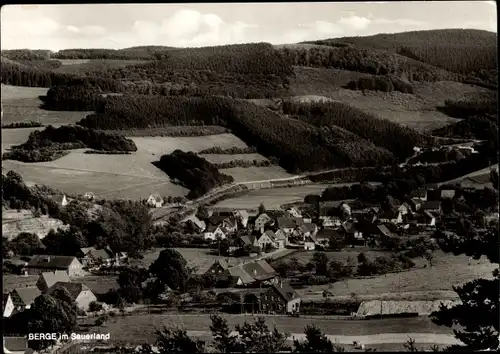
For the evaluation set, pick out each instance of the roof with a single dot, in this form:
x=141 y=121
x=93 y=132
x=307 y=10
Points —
x=280 y=234
x=74 y=289
x=290 y=223
x=415 y=201
x=384 y=230
x=447 y=193
x=25 y=296
x=285 y=291
x=263 y=218
x=231 y=221
x=452 y=215
x=270 y=234
x=259 y=270
x=242 y=213
x=428 y=214
x=216 y=219
x=431 y=204
x=303 y=228
x=156 y=197
x=211 y=228
x=200 y=223
x=239 y=272
x=95 y=253
x=248 y=239
x=350 y=227
x=418 y=193
x=225 y=263
x=51 y=262
x=390 y=214
x=51 y=278
x=328 y=233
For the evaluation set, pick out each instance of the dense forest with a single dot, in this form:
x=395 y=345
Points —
x=368 y=61
x=133 y=53
x=299 y=146
x=462 y=51
x=480 y=128
x=51 y=143
x=26 y=54
x=380 y=83
x=193 y=172
x=381 y=132
x=465 y=108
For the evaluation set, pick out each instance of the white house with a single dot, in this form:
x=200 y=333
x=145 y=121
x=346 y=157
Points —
x=8 y=305
x=310 y=243
x=404 y=209
x=213 y=232
x=346 y=209
x=267 y=238
x=242 y=216
x=89 y=196
x=155 y=201
x=294 y=212
x=281 y=238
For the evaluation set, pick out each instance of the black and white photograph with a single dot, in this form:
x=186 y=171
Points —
x=254 y=177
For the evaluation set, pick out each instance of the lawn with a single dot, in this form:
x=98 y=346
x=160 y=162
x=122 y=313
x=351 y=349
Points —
x=305 y=257
x=272 y=198
x=417 y=111
x=12 y=281
x=246 y=174
x=416 y=284
x=142 y=328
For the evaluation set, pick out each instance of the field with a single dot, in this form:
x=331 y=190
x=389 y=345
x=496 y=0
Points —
x=246 y=174
x=417 y=111
x=272 y=198
x=16 y=136
x=142 y=328
x=422 y=283
x=21 y=104
x=12 y=281
x=481 y=175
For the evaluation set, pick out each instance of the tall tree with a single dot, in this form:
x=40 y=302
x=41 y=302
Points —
x=177 y=341
x=478 y=312
x=315 y=342
x=172 y=269
x=258 y=338
x=223 y=341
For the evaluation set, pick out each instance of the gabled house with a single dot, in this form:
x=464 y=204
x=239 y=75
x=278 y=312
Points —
x=197 y=224
x=280 y=298
x=429 y=218
x=261 y=221
x=247 y=241
x=384 y=232
x=60 y=199
x=392 y=216
x=310 y=243
x=312 y=228
x=23 y=298
x=294 y=212
x=420 y=193
x=239 y=276
x=8 y=307
x=260 y=271
x=404 y=209
x=48 y=279
x=220 y=266
x=416 y=204
x=46 y=263
x=288 y=225
x=229 y=225
x=213 y=233
x=79 y=292
x=330 y=215
x=267 y=238
x=155 y=201
x=92 y=257
x=301 y=232
x=242 y=216
x=281 y=239
x=433 y=206
x=353 y=235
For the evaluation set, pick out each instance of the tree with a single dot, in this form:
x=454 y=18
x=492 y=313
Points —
x=262 y=208
x=55 y=313
x=429 y=257
x=478 y=312
x=320 y=262
x=130 y=281
x=258 y=338
x=172 y=269
x=26 y=244
x=202 y=212
x=223 y=341
x=316 y=342
x=361 y=258
x=177 y=341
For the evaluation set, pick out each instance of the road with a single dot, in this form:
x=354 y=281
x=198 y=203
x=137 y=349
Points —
x=381 y=338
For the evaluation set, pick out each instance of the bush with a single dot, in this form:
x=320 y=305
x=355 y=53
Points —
x=95 y=306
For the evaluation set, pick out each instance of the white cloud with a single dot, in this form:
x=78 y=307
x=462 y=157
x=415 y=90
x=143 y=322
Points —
x=355 y=22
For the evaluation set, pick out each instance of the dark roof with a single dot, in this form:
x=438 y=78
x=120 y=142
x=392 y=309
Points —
x=270 y=234
x=50 y=262
x=285 y=291
x=248 y=239
x=216 y=219
x=260 y=270
x=304 y=229
x=262 y=219
x=418 y=193
x=384 y=230
x=310 y=226
x=231 y=221
x=290 y=223
x=389 y=214
x=25 y=296
x=431 y=204
x=211 y=228
x=328 y=233
x=226 y=263
x=95 y=253
x=350 y=227
x=74 y=289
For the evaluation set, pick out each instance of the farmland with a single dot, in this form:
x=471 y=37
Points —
x=245 y=174
x=447 y=271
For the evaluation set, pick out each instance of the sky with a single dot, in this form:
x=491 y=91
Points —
x=116 y=26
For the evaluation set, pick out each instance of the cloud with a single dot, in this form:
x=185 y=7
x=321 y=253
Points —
x=355 y=22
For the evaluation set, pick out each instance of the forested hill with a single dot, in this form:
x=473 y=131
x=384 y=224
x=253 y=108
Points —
x=461 y=51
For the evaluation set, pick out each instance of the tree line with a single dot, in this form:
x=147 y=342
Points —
x=194 y=172
x=460 y=51
x=380 y=83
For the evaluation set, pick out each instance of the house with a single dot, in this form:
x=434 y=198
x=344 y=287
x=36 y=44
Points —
x=242 y=216
x=294 y=212
x=229 y=225
x=46 y=263
x=280 y=298
x=48 y=279
x=301 y=232
x=196 y=223
x=288 y=225
x=155 y=201
x=261 y=221
x=432 y=206
x=281 y=239
x=404 y=209
x=353 y=235
x=260 y=271
x=248 y=241
x=79 y=292
x=91 y=257
x=23 y=298
x=268 y=238
x=329 y=215
x=89 y=196
x=213 y=233
x=447 y=193
x=419 y=194
x=310 y=243
x=391 y=216
x=430 y=219
x=345 y=209
x=7 y=305
x=239 y=277
x=60 y=199
x=312 y=228
x=384 y=232
x=220 y=266
x=416 y=204
x=118 y=257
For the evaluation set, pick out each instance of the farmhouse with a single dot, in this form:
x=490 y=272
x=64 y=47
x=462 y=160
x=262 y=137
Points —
x=48 y=279
x=44 y=263
x=213 y=233
x=23 y=298
x=247 y=240
x=261 y=221
x=229 y=225
x=294 y=212
x=260 y=271
x=91 y=257
x=329 y=216
x=280 y=298
x=196 y=223
x=404 y=209
x=220 y=266
x=281 y=239
x=416 y=204
x=79 y=292
x=289 y=224
x=155 y=201
x=391 y=216
x=60 y=199
x=268 y=238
